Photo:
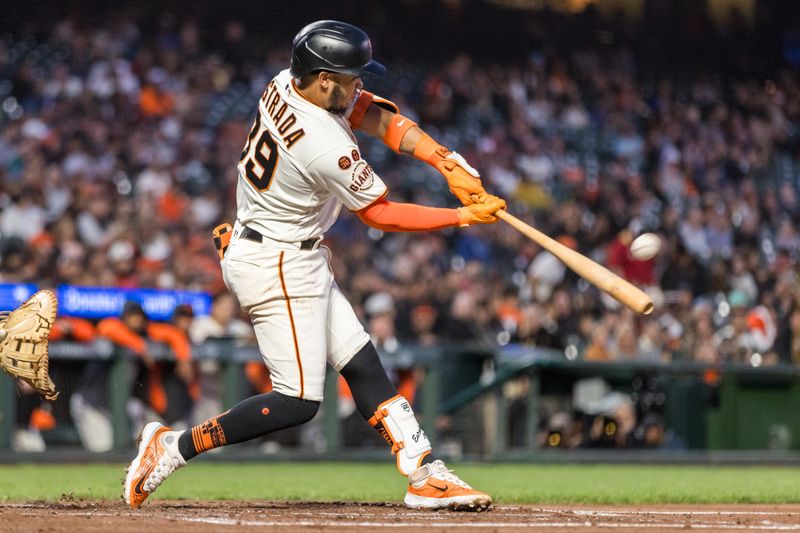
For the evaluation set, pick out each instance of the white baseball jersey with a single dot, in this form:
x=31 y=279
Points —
x=299 y=165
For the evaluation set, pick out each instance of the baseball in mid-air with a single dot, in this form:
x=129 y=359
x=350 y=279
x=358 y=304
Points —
x=645 y=246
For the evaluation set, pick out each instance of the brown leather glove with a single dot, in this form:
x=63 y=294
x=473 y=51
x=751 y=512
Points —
x=23 y=342
x=481 y=213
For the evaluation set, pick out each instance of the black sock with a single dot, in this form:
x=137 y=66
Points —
x=370 y=385
x=368 y=381
x=429 y=458
x=254 y=417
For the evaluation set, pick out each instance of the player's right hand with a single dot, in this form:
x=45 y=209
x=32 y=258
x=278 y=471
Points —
x=481 y=213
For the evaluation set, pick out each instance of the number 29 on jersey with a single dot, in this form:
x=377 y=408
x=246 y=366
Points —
x=259 y=157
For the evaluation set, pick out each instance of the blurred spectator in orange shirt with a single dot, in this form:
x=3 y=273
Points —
x=88 y=402
x=155 y=102
x=597 y=350
x=165 y=386
x=72 y=328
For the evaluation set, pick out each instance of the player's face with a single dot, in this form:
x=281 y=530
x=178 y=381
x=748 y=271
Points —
x=343 y=92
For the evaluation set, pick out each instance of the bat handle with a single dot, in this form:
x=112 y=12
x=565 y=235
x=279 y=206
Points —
x=502 y=214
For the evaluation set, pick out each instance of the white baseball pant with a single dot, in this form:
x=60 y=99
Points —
x=301 y=318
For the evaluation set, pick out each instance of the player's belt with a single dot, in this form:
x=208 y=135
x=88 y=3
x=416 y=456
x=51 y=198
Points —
x=252 y=235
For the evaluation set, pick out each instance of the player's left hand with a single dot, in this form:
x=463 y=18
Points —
x=481 y=212
x=463 y=180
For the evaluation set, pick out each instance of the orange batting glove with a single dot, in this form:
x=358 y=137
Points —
x=463 y=180
x=482 y=212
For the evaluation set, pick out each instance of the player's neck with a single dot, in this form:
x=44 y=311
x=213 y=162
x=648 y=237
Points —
x=311 y=92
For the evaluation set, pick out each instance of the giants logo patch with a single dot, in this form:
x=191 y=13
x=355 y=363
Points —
x=362 y=177
x=356 y=155
x=344 y=162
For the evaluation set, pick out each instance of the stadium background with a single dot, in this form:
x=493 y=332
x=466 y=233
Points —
x=120 y=130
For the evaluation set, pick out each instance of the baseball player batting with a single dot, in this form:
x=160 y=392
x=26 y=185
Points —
x=299 y=165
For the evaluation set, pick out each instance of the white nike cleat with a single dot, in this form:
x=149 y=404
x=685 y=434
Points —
x=158 y=458
x=434 y=486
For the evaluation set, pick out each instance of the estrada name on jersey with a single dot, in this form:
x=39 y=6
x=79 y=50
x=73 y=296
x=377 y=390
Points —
x=299 y=165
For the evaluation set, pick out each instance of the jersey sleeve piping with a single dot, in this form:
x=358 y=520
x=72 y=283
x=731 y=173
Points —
x=373 y=202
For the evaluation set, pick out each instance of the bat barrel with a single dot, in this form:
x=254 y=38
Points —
x=602 y=278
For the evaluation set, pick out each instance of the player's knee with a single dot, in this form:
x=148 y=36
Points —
x=366 y=364
x=302 y=410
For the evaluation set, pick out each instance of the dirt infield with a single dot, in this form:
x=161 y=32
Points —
x=74 y=516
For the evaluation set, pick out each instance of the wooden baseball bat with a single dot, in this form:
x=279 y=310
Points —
x=605 y=280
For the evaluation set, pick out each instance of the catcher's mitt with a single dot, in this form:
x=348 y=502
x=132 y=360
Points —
x=23 y=342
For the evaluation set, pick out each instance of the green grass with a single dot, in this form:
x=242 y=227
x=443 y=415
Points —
x=517 y=483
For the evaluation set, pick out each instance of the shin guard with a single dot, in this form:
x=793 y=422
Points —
x=396 y=423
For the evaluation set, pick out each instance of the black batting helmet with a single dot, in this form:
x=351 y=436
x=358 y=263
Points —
x=335 y=46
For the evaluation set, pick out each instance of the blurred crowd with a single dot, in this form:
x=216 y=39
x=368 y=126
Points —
x=118 y=151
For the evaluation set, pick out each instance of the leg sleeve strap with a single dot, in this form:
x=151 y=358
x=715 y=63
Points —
x=376 y=421
x=418 y=476
x=395 y=422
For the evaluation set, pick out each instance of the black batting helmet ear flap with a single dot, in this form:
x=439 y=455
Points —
x=335 y=46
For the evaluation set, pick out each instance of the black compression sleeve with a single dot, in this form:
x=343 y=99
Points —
x=251 y=418
x=368 y=381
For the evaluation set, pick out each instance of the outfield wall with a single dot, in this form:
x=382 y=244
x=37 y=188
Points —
x=489 y=404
